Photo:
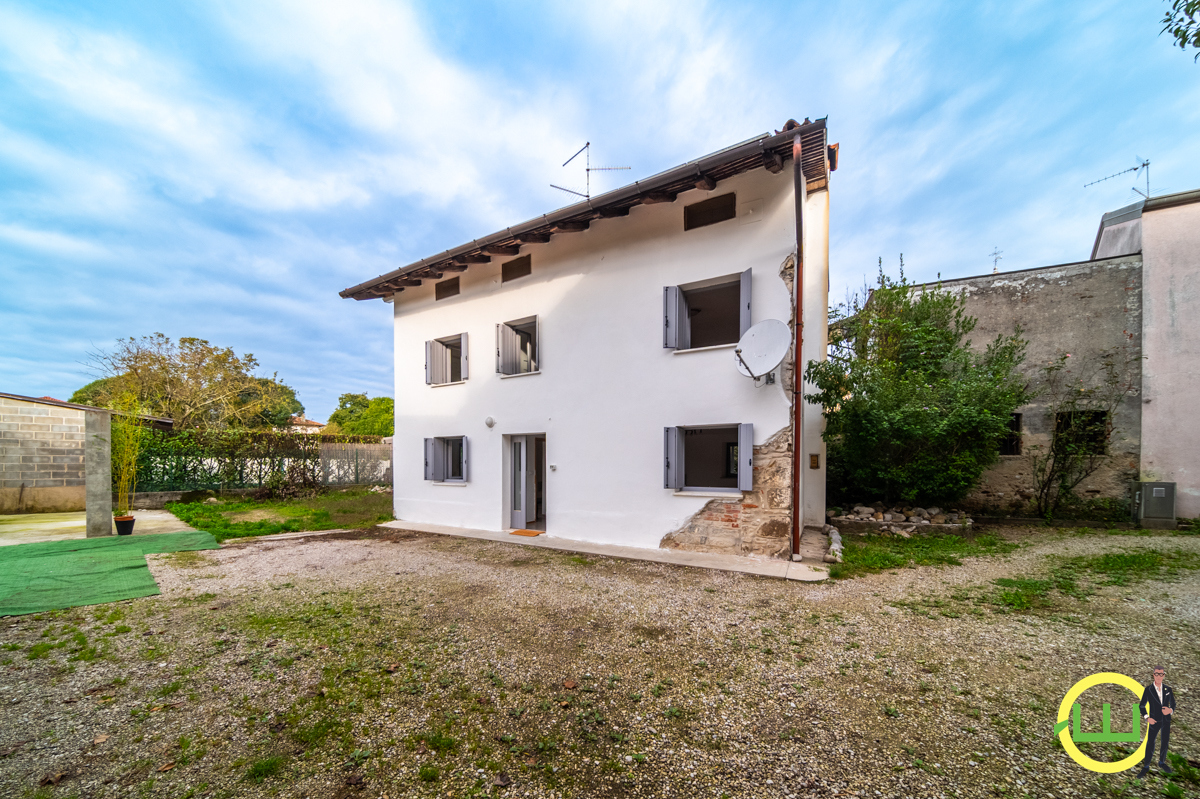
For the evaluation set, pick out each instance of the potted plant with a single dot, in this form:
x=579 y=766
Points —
x=127 y=432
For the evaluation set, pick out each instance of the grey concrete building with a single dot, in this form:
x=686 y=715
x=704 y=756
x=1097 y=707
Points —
x=55 y=457
x=1136 y=297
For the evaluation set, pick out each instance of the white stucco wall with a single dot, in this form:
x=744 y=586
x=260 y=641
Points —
x=607 y=387
x=1171 y=344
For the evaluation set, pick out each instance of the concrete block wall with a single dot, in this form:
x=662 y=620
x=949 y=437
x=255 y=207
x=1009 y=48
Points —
x=41 y=457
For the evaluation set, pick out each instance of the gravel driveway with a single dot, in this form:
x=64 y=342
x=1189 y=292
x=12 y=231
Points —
x=405 y=664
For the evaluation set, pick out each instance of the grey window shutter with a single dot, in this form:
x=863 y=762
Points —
x=463 y=346
x=439 y=459
x=466 y=459
x=428 y=367
x=537 y=344
x=745 y=304
x=508 y=348
x=429 y=448
x=672 y=458
x=745 y=457
x=671 y=296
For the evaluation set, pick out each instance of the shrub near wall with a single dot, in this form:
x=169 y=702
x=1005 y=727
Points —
x=193 y=460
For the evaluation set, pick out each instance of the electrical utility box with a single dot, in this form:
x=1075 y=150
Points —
x=1154 y=505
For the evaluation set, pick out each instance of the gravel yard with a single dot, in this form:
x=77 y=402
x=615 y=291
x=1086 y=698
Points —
x=388 y=664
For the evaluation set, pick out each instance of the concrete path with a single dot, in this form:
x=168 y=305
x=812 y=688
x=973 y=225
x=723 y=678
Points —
x=27 y=528
x=766 y=567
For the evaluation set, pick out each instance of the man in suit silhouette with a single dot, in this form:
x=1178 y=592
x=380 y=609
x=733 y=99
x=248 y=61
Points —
x=1157 y=706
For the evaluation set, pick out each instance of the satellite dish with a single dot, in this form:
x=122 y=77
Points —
x=763 y=348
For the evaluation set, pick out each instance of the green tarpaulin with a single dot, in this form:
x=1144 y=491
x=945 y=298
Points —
x=86 y=571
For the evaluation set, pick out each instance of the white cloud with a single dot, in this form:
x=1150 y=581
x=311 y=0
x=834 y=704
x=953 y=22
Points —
x=49 y=241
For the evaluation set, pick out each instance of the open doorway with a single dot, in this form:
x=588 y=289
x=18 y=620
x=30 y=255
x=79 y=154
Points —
x=527 y=498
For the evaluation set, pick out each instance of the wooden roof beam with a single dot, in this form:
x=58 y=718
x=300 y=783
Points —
x=610 y=212
x=654 y=197
x=572 y=225
x=497 y=249
x=533 y=238
x=773 y=162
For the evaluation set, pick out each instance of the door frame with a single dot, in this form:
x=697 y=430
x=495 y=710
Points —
x=509 y=470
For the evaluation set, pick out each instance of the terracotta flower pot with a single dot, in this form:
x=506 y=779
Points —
x=124 y=525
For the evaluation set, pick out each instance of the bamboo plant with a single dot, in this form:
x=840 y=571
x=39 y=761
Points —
x=127 y=435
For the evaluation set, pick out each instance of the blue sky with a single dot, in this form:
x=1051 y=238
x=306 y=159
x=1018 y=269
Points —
x=223 y=169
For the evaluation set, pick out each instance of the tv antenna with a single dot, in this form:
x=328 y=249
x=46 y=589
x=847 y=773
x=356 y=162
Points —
x=586 y=149
x=997 y=255
x=1145 y=164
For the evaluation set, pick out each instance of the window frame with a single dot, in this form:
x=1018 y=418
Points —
x=677 y=334
x=509 y=352
x=439 y=365
x=710 y=211
x=675 y=455
x=438 y=455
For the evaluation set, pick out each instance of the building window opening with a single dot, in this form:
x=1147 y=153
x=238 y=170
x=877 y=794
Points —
x=1011 y=443
x=517 y=347
x=710 y=457
x=1082 y=432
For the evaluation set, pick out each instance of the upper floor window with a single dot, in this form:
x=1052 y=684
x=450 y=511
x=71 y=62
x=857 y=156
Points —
x=445 y=289
x=446 y=360
x=706 y=313
x=517 y=346
x=518 y=267
x=710 y=211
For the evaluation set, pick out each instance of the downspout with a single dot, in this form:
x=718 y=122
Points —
x=801 y=192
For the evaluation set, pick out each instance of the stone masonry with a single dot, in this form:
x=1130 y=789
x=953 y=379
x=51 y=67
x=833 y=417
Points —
x=41 y=457
x=750 y=523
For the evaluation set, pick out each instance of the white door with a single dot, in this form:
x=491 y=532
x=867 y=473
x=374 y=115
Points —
x=520 y=481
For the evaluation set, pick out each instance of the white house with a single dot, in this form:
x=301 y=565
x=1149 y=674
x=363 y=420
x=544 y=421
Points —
x=576 y=374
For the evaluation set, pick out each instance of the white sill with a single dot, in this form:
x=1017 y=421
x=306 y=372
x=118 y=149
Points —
x=713 y=492
x=705 y=349
x=455 y=383
x=455 y=483
x=521 y=374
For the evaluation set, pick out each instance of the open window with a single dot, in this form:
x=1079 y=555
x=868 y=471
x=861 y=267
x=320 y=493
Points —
x=446 y=459
x=518 y=345
x=1082 y=432
x=719 y=458
x=708 y=313
x=446 y=360
x=1011 y=443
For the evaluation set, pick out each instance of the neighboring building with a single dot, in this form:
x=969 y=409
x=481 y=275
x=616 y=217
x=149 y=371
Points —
x=576 y=373
x=298 y=424
x=1138 y=296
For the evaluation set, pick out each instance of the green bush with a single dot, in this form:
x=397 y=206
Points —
x=912 y=412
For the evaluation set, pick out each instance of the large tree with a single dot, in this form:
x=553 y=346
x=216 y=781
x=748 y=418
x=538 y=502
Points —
x=1183 y=23
x=912 y=412
x=193 y=382
x=358 y=416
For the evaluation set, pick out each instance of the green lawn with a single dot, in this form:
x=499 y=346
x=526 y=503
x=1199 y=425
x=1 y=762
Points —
x=872 y=555
x=242 y=518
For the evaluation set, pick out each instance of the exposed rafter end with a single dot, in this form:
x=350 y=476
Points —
x=705 y=182
x=612 y=213
x=654 y=197
x=475 y=258
x=533 y=238
x=773 y=162
x=454 y=266
x=572 y=226
x=497 y=249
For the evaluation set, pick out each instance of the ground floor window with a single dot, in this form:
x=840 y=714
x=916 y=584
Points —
x=709 y=458
x=446 y=459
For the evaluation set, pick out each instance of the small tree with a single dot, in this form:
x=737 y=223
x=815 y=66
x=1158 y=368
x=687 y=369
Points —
x=1081 y=399
x=358 y=416
x=912 y=412
x=127 y=434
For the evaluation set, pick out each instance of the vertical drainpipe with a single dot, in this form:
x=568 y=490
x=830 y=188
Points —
x=801 y=192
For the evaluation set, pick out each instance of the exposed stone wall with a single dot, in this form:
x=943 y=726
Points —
x=41 y=457
x=753 y=523
x=1083 y=309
